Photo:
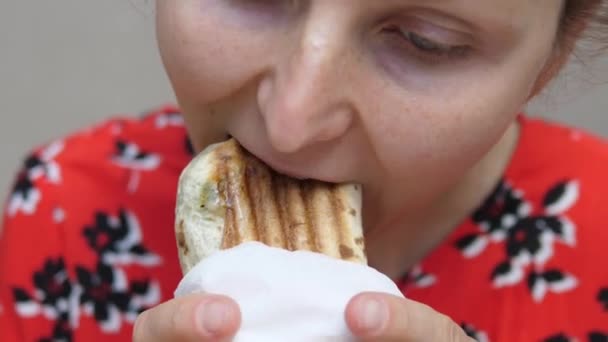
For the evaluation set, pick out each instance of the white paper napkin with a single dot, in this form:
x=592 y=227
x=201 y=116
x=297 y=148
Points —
x=283 y=295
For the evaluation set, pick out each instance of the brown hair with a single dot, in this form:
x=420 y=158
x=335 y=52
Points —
x=583 y=31
x=586 y=21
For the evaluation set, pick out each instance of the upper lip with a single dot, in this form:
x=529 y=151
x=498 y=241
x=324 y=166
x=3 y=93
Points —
x=281 y=168
x=285 y=168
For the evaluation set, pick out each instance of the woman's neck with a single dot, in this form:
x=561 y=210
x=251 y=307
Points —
x=394 y=247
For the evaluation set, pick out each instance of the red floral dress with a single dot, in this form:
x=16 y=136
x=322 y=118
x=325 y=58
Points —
x=87 y=238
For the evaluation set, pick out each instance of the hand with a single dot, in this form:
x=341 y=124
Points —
x=383 y=318
x=202 y=318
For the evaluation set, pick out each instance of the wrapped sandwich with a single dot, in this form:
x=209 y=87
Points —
x=227 y=197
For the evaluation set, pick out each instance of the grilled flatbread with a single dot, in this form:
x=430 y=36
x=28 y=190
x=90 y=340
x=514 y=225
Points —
x=226 y=197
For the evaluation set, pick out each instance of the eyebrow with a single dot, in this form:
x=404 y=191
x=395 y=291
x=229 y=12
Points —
x=500 y=18
x=485 y=13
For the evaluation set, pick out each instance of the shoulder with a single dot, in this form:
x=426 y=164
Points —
x=97 y=157
x=546 y=140
x=560 y=162
x=536 y=244
x=551 y=153
x=560 y=173
x=94 y=206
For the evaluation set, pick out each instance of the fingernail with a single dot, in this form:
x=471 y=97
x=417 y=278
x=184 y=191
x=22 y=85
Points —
x=213 y=316
x=372 y=314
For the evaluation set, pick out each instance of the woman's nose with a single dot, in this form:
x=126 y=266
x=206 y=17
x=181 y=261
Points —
x=304 y=99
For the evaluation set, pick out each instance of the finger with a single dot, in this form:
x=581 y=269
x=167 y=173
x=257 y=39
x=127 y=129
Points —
x=383 y=318
x=202 y=318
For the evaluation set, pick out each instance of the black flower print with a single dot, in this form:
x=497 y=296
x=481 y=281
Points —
x=130 y=156
x=532 y=238
x=495 y=217
x=502 y=209
x=474 y=333
x=524 y=239
x=52 y=292
x=507 y=273
x=108 y=296
x=558 y=338
x=143 y=295
x=169 y=119
x=561 y=198
x=25 y=305
x=539 y=283
x=104 y=295
x=418 y=278
x=25 y=195
x=62 y=332
x=602 y=297
x=528 y=238
x=596 y=336
x=118 y=240
x=43 y=164
x=53 y=297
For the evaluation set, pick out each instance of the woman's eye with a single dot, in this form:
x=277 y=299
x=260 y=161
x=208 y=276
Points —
x=429 y=46
x=425 y=44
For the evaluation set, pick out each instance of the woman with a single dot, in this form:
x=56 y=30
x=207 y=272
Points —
x=490 y=222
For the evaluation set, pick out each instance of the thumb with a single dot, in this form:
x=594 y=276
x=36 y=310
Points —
x=190 y=318
x=381 y=317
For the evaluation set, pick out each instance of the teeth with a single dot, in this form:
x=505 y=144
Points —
x=258 y=204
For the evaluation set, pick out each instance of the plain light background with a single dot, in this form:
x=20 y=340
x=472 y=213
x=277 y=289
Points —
x=65 y=64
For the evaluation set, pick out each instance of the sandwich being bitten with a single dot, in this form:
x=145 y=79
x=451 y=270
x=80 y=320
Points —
x=226 y=197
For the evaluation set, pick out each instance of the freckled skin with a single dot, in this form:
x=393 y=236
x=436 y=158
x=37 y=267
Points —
x=321 y=90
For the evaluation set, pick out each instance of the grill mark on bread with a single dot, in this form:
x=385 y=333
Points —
x=278 y=187
x=300 y=192
x=251 y=193
x=275 y=224
x=338 y=207
x=181 y=238
x=231 y=235
x=264 y=200
x=312 y=224
x=246 y=205
x=346 y=252
x=306 y=224
x=297 y=221
x=229 y=197
x=281 y=239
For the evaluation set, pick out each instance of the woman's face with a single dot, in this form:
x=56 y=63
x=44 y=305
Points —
x=402 y=96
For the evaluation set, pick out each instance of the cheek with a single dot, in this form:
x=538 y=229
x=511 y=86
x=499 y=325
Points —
x=424 y=136
x=454 y=122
